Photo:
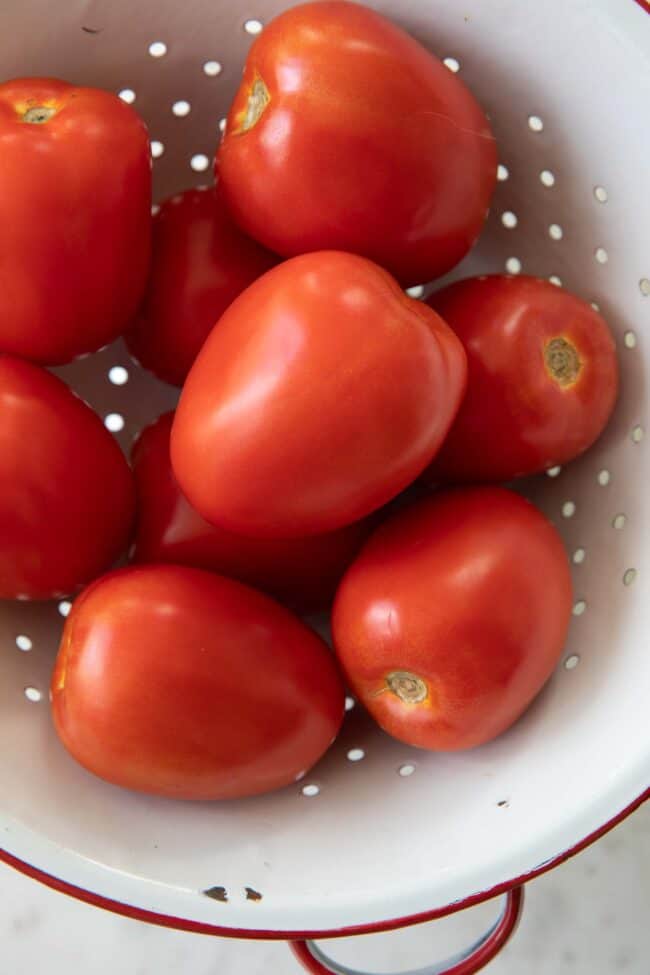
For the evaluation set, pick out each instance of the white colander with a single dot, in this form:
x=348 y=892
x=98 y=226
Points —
x=380 y=833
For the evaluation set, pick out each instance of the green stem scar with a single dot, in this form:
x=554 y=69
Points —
x=408 y=687
x=38 y=114
x=258 y=99
x=562 y=361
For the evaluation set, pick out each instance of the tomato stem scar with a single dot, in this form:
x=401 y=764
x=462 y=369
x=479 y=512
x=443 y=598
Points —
x=258 y=99
x=38 y=114
x=562 y=361
x=408 y=687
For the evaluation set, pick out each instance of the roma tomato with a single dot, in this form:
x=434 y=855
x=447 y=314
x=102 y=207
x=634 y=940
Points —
x=542 y=378
x=75 y=221
x=200 y=263
x=453 y=617
x=347 y=134
x=301 y=572
x=178 y=682
x=323 y=393
x=66 y=491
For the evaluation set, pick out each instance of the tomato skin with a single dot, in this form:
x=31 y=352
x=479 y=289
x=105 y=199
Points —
x=323 y=393
x=516 y=419
x=182 y=683
x=67 y=497
x=470 y=592
x=367 y=144
x=302 y=573
x=75 y=220
x=201 y=261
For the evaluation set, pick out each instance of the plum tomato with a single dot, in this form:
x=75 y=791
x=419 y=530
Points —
x=178 y=682
x=542 y=378
x=67 y=497
x=347 y=134
x=75 y=218
x=453 y=616
x=200 y=263
x=323 y=393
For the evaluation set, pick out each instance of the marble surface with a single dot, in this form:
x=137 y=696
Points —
x=590 y=916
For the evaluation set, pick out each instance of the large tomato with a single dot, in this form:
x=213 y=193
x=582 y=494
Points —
x=453 y=616
x=347 y=134
x=66 y=492
x=542 y=377
x=324 y=392
x=200 y=263
x=75 y=221
x=182 y=683
x=301 y=572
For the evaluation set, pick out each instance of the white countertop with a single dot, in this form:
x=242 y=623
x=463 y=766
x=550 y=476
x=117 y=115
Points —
x=587 y=917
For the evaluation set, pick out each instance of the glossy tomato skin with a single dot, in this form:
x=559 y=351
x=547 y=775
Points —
x=75 y=221
x=453 y=616
x=365 y=143
x=201 y=261
x=302 y=573
x=182 y=683
x=67 y=497
x=542 y=378
x=324 y=392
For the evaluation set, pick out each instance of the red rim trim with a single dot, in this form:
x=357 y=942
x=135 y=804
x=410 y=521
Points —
x=474 y=962
x=645 y=5
x=201 y=927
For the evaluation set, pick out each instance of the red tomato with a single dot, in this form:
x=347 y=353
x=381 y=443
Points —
x=301 y=572
x=66 y=492
x=453 y=616
x=201 y=261
x=182 y=683
x=542 y=378
x=323 y=393
x=75 y=219
x=347 y=134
